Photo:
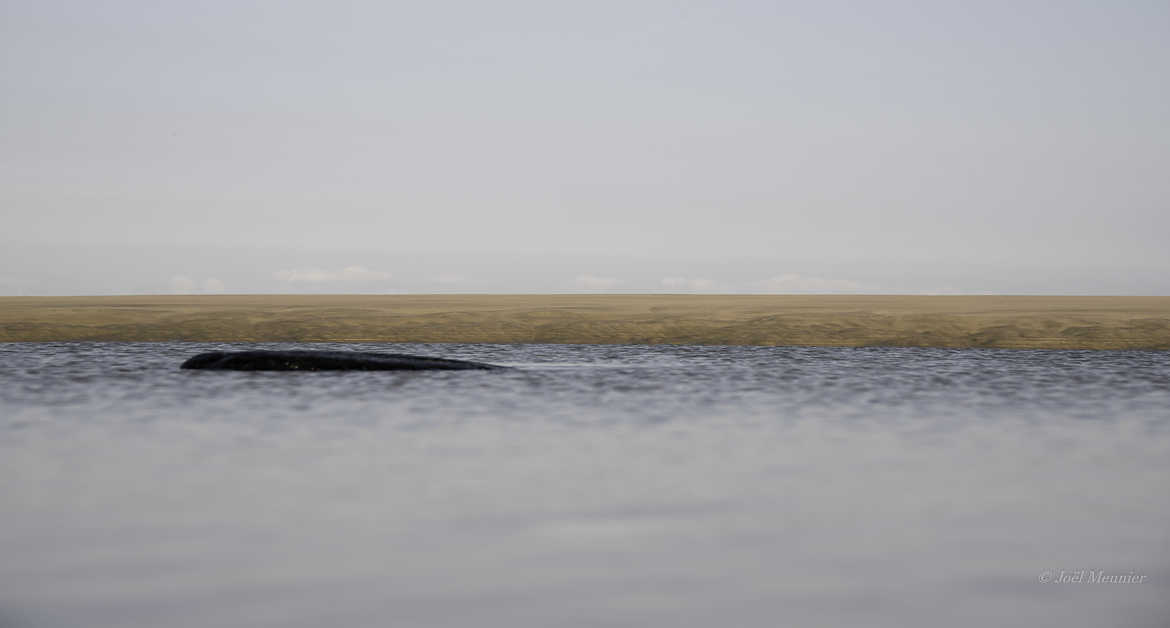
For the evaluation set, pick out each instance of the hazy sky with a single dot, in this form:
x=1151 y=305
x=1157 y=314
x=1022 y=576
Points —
x=876 y=146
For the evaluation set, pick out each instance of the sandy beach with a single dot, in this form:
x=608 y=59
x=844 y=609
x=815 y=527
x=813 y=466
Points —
x=824 y=320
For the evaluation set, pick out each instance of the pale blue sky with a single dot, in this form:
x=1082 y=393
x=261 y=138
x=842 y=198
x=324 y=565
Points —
x=534 y=146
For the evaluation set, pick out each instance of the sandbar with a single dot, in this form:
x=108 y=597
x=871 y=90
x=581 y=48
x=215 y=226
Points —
x=1017 y=322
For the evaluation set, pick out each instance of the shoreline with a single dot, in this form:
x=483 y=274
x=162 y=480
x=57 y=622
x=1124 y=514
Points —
x=983 y=321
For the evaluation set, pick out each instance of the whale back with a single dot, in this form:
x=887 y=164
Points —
x=326 y=361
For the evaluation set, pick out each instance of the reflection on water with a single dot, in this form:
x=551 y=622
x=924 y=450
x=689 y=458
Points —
x=593 y=486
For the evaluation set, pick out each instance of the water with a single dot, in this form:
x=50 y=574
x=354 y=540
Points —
x=593 y=486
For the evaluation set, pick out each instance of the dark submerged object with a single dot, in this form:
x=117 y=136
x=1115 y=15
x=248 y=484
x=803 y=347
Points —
x=326 y=361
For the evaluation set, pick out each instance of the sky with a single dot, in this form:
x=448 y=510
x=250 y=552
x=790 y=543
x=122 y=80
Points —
x=513 y=146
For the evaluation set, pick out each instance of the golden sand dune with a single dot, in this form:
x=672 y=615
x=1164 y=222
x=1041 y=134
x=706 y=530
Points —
x=845 y=320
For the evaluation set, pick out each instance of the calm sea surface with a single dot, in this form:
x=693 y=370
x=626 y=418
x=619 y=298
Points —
x=592 y=486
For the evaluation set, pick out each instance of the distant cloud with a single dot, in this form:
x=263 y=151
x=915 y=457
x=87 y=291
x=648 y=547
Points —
x=16 y=286
x=682 y=283
x=593 y=282
x=314 y=275
x=450 y=278
x=793 y=282
x=17 y=281
x=181 y=284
